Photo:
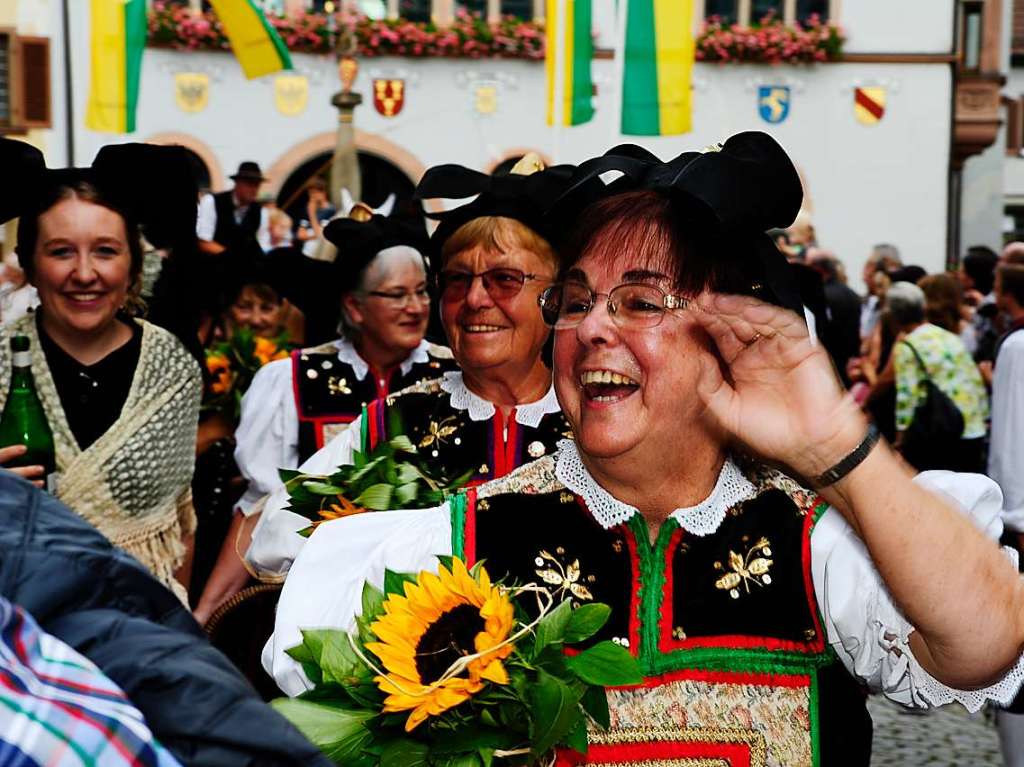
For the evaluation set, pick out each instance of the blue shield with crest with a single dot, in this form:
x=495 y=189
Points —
x=773 y=103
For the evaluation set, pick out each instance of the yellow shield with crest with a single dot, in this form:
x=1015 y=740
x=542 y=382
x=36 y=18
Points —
x=191 y=91
x=291 y=94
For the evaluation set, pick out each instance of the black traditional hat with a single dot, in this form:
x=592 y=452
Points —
x=152 y=185
x=524 y=194
x=737 y=190
x=359 y=241
x=248 y=171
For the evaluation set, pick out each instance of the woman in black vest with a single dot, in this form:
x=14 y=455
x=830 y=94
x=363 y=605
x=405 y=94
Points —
x=759 y=609
x=499 y=411
x=295 y=405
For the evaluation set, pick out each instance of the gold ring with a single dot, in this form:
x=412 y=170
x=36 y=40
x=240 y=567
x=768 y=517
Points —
x=754 y=340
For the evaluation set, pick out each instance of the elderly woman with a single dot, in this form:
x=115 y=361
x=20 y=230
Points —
x=758 y=608
x=925 y=351
x=295 y=406
x=121 y=395
x=500 y=411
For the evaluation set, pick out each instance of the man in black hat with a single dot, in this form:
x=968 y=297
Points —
x=228 y=218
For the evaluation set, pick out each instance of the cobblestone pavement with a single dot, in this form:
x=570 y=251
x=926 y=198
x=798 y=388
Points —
x=941 y=738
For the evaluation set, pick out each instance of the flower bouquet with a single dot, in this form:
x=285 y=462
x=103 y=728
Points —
x=391 y=476
x=231 y=365
x=448 y=669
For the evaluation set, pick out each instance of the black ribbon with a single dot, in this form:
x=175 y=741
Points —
x=524 y=198
x=152 y=185
x=359 y=242
x=737 y=190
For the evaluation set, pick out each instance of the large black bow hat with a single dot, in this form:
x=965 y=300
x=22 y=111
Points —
x=359 y=242
x=524 y=198
x=152 y=185
x=734 y=192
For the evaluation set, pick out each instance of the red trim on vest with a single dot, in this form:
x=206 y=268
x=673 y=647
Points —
x=373 y=417
x=723 y=677
x=812 y=603
x=733 y=754
x=469 y=530
x=635 y=597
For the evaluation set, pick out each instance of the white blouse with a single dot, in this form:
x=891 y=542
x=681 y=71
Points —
x=865 y=628
x=275 y=542
x=267 y=436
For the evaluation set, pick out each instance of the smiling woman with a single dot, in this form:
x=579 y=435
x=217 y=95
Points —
x=764 y=556
x=121 y=395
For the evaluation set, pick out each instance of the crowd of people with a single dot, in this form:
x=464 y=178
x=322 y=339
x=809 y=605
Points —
x=643 y=376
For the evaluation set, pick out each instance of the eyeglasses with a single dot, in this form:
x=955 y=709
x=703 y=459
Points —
x=500 y=284
x=631 y=305
x=400 y=299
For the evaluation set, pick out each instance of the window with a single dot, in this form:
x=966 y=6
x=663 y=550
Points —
x=479 y=7
x=522 y=9
x=414 y=10
x=748 y=12
x=24 y=82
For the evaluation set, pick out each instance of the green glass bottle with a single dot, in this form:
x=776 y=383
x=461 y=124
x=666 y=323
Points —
x=24 y=420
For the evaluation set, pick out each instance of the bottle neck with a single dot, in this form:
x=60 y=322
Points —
x=21 y=361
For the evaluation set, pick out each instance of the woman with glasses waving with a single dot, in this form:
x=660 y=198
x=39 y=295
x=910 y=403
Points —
x=765 y=558
x=296 y=405
x=499 y=411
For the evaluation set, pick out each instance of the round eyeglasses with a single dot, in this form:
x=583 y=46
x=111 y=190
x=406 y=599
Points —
x=631 y=305
x=454 y=285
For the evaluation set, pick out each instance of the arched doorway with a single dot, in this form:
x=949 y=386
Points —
x=379 y=178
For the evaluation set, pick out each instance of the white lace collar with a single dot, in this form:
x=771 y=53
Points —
x=347 y=353
x=480 y=409
x=703 y=519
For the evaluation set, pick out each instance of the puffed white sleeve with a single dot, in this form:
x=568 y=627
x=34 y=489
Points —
x=206 y=218
x=324 y=587
x=275 y=539
x=267 y=437
x=865 y=628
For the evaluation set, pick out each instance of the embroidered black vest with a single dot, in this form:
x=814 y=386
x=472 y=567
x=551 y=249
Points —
x=328 y=395
x=229 y=232
x=726 y=627
x=455 y=442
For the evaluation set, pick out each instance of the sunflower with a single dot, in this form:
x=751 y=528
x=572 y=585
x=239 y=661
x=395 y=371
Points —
x=440 y=619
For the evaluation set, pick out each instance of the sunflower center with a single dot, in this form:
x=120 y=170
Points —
x=446 y=640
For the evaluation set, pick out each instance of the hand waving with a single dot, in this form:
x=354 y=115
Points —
x=779 y=395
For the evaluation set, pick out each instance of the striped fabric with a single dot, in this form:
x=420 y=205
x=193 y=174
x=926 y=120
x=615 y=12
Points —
x=58 y=709
x=658 y=61
x=257 y=46
x=117 y=39
x=569 y=50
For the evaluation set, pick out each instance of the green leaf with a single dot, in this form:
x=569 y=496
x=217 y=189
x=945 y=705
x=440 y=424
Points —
x=394 y=583
x=376 y=497
x=372 y=601
x=405 y=752
x=586 y=621
x=339 y=661
x=322 y=488
x=577 y=738
x=555 y=710
x=287 y=475
x=402 y=444
x=408 y=472
x=595 y=703
x=551 y=629
x=406 y=494
x=458 y=760
x=341 y=734
x=606 y=664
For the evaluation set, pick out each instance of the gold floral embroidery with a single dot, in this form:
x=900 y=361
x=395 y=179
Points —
x=338 y=385
x=752 y=568
x=438 y=433
x=564 y=577
x=483 y=505
x=566 y=497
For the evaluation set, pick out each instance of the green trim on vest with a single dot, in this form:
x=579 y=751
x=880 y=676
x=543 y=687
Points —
x=457 y=505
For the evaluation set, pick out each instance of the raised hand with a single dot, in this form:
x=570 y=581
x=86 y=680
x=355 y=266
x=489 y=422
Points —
x=776 y=392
